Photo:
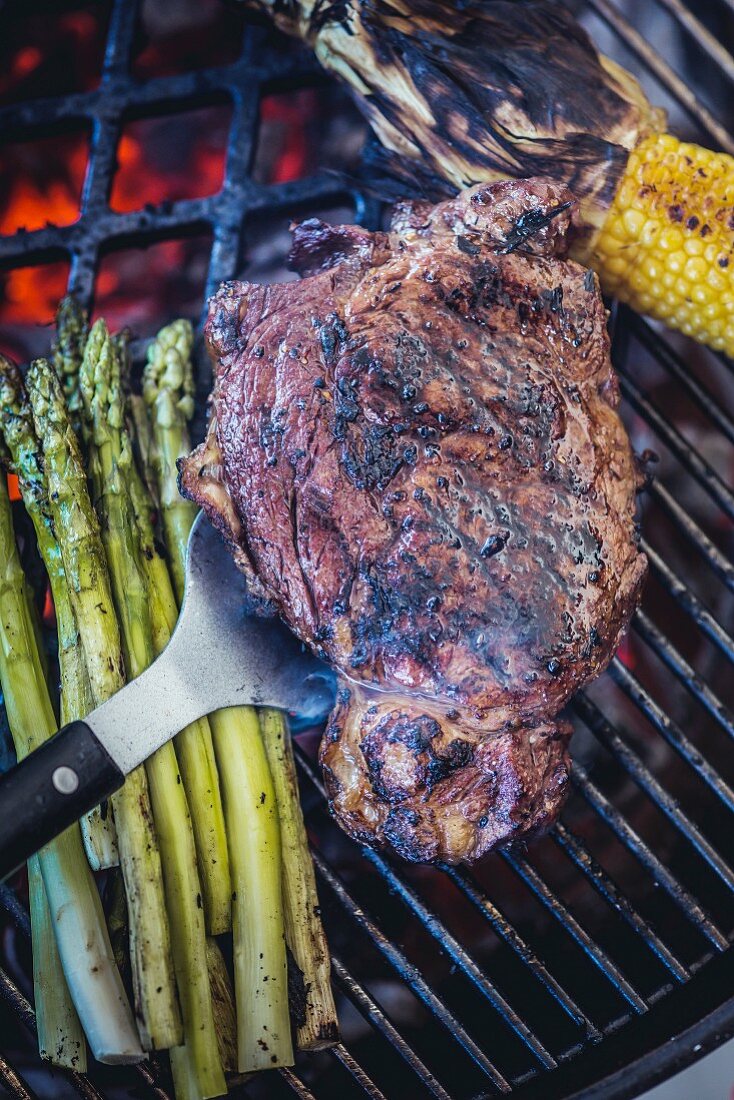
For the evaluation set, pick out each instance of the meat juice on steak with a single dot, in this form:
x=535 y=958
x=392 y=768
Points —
x=415 y=454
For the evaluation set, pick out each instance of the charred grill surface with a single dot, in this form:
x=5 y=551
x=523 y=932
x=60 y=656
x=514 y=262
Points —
x=416 y=455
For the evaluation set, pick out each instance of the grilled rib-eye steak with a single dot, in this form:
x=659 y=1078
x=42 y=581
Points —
x=415 y=454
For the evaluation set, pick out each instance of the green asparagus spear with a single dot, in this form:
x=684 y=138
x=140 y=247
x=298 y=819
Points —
x=59 y=1032
x=104 y=410
x=136 y=413
x=193 y=745
x=168 y=390
x=71 y=336
x=142 y=443
x=263 y=1025
x=74 y=905
x=16 y=424
x=253 y=830
x=304 y=932
x=185 y=1085
x=85 y=567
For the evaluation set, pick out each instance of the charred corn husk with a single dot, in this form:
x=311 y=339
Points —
x=460 y=94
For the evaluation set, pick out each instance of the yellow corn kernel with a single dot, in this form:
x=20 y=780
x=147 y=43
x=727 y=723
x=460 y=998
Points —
x=667 y=246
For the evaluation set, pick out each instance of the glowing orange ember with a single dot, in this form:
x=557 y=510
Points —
x=290 y=116
x=159 y=160
x=171 y=159
x=30 y=294
x=41 y=182
x=26 y=60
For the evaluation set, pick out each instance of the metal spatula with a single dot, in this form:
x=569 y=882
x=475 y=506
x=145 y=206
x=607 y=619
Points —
x=219 y=656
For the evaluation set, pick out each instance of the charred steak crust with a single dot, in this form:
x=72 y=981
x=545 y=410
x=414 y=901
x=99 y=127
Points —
x=416 y=453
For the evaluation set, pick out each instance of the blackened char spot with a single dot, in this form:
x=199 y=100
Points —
x=457 y=755
x=528 y=224
x=401 y=834
x=493 y=545
x=466 y=246
x=370 y=456
x=415 y=735
x=332 y=334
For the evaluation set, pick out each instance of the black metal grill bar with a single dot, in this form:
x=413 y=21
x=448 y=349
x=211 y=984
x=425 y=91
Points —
x=693 y=533
x=671 y=732
x=684 y=673
x=635 y=768
x=228 y=228
x=586 y=863
x=143 y=1071
x=540 y=888
x=13 y=906
x=408 y=972
x=399 y=886
x=725 y=361
x=459 y=956
x=374 y=1015
x=701 y=34
x=676 y=368
x=296 y=1084
x=356 y=1072
x=514 y=940
x=17 y=912
x=223 y=215
x=651 y=59
x=23 y=1010
x=186 y=215
x=13 y=1082
x=690 y=603
x=688 y=456
x=634 y=843
x=157 y=93
x=20 y=1004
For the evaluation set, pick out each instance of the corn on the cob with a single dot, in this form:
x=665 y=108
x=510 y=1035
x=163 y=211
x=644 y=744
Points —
x=667 y=245
x=460 y=94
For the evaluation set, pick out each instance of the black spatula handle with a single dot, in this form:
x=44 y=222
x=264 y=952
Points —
x=50 y=789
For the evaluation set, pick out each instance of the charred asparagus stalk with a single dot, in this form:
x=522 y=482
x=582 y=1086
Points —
x=73 y=902
x=304 y=932
x=251 y=817
x=103 y=403
x=224 y=1006
x=85 y=567
x=72 y=326
x=168 y=390
x=185 y=1085
x=459 y=94
x=193 y=745
x=98 y=829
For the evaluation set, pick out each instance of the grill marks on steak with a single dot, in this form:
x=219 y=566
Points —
x=416 y=453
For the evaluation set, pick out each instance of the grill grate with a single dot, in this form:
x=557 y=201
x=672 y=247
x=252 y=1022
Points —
x=540 y=973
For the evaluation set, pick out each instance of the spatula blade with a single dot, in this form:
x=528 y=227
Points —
x=220 y=655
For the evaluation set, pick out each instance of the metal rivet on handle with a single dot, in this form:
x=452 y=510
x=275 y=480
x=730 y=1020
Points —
x=65 y=780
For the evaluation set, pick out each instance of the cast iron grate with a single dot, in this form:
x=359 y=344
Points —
x=538 y=973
